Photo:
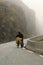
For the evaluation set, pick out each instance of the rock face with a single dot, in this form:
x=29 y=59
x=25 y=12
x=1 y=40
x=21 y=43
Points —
x=12 y=20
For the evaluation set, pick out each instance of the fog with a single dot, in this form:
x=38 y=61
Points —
x=35 y=22
x=37 y=6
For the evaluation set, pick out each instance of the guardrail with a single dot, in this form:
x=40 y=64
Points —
x=35 y=45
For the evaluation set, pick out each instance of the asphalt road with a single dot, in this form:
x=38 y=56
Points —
x=11 y=55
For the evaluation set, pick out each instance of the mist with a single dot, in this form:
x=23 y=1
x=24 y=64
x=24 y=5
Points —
x=37 y=6
x=33 y=27
x=23 y=15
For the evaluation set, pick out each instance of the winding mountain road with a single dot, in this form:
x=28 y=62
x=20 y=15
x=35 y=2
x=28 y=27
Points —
x=11 y=55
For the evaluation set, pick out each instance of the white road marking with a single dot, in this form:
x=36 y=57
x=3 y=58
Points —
x=41 y=55
x=30 y=51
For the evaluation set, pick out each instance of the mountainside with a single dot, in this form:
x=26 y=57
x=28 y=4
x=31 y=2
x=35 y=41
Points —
x=12 y=20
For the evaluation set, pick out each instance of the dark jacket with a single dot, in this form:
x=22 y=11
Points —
x=19 y=35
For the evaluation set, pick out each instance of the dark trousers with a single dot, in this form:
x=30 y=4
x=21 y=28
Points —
x=22 y=44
